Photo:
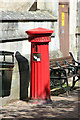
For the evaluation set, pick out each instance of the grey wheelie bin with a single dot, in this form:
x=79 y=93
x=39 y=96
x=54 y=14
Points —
x=6 y=69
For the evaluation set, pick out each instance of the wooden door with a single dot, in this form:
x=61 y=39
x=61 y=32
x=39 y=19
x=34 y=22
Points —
x=64 y=27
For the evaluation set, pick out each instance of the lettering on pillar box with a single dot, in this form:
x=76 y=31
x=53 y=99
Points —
x=36 y=57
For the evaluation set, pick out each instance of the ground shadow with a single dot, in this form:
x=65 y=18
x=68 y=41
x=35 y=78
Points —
x=59 y=91
x=24 y=75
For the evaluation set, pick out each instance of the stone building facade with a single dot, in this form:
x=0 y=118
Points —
x=13 y=24
x=17 y=17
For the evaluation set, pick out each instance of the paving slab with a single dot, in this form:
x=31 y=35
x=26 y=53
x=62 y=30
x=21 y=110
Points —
x=61 y=107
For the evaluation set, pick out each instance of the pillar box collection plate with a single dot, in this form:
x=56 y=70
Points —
x=39 y=68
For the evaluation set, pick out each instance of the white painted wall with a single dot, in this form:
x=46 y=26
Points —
x=72 y=27
x=52 y=7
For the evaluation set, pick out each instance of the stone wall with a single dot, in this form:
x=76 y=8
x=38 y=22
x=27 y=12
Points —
x=78 y=27
x=15 y=5
x=52 y=7
x=55 y=54
x=72 y=27
x=16 y=30
x=10 y=30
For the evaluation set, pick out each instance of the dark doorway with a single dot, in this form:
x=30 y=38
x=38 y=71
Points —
x=24 y=75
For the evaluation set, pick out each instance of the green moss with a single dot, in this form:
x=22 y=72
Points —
x=5 y=105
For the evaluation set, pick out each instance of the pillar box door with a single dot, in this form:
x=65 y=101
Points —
x=39 y=73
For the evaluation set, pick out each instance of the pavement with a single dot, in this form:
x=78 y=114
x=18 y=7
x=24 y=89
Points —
x=62 y=107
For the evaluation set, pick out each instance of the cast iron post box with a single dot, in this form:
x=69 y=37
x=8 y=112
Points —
x=39 y=74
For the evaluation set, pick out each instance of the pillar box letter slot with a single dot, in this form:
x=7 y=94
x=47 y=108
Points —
x=39 y=68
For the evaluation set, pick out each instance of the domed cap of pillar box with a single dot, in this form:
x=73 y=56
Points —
x=39 y=35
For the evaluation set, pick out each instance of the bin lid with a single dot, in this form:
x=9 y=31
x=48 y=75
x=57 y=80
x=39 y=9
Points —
x=6 y=53
x=39 y=30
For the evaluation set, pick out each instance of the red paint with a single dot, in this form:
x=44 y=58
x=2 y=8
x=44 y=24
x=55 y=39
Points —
x=40 y=74
x=38 y=31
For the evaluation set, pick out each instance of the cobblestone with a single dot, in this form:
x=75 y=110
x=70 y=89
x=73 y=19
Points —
x=60 y=107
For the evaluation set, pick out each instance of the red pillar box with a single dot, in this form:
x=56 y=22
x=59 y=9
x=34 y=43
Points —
x=39 y=74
